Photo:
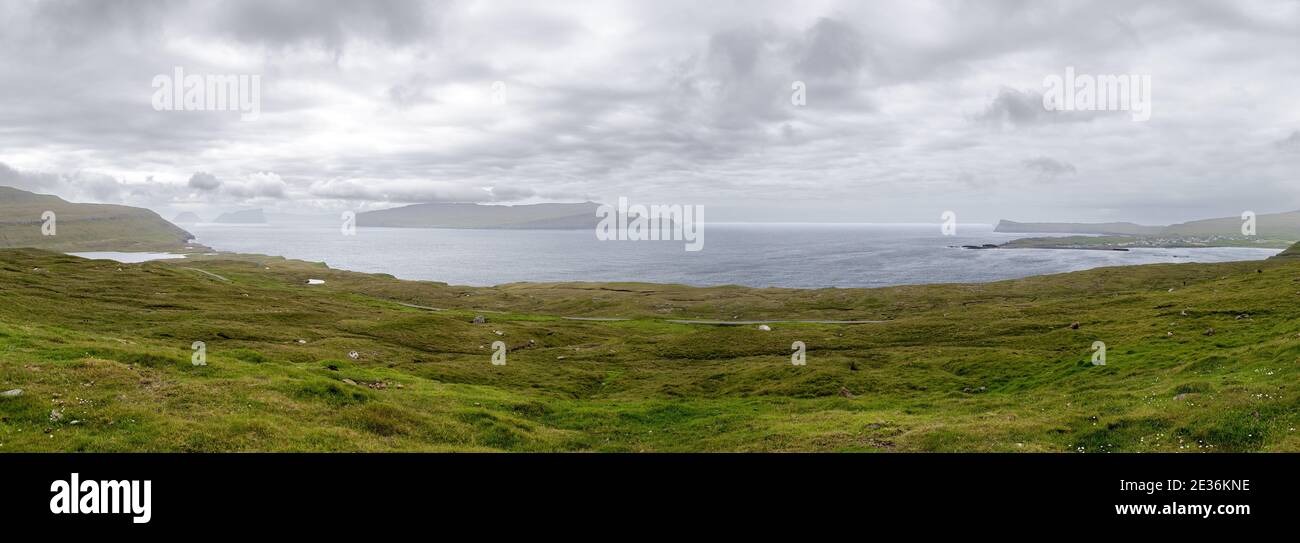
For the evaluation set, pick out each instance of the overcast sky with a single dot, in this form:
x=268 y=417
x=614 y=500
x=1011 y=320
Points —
x=912 y=107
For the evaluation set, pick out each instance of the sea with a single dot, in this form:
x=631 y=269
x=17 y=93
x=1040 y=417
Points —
x=754 y=255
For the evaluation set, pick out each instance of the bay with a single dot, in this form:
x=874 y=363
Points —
x=755 y=255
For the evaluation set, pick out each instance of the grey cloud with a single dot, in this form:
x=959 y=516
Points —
x=510 y=194
x=1291 y=143
x=29 y=181
x=1050 y=167
x=372 y=102
x=735 y=53
x=78 y=185
x=833 y=48
x=1016 y=108
x=73 y=24
x=258 y=185
x=406 y=193
x=329 y=24
x=204 y=181
x=410 y=92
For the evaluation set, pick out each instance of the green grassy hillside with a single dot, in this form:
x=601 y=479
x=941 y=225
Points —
x=1269 y=225
x=83 y=227
x=1272 y=230
x=1201 y=357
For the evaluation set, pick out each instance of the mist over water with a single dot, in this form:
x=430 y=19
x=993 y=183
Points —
x=755 y=255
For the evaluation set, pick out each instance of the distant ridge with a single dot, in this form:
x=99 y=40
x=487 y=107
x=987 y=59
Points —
x=248 y=216
x=529 y=216
x=84 y=227
x=1113 y=228
x=1269 y=225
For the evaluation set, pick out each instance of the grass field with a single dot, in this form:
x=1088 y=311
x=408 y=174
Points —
x=102 y=352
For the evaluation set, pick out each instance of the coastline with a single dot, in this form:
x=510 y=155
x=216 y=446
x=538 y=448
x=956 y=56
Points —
x=216 y=255
x=975 y=270
x=754 y=256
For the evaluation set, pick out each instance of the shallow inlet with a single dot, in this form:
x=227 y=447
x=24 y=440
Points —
x=126 y=258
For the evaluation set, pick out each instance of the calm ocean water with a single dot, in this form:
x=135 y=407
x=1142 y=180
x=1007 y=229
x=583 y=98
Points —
x=757 y=255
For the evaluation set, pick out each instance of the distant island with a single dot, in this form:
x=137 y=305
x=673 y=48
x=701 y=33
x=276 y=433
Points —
x=460 y=215
x=1107 y=228
x=1273 y=230
x=84 y=227
x=248 y=216
x=187 y=218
